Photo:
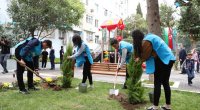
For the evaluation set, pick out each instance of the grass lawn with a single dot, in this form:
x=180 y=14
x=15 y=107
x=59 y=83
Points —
x=96 y=99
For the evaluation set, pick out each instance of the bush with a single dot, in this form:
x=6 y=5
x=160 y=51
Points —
x=67 y=68
x=135 y=89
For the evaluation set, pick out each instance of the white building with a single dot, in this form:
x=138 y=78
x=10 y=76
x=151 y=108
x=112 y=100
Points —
x=96 y=12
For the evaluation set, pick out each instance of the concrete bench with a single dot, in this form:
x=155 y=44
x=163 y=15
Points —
x=107 y=69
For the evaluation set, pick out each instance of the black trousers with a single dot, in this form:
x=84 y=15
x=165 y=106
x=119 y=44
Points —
x=127 y=76
x=20 y=71
x=197 y=67
x=182 y=69
x=44 y=63
x=87 y=72
x=161 y=76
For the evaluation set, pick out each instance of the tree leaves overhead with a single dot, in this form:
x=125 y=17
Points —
x=135 y=22
x=34 y=14
x=166 y=17
x=190 y=21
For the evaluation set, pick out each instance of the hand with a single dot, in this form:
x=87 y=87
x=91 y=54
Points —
x=36 y=70
x=180 y=59
x=137 y=59
x=68 y=57
x=22 y=63
x=118 y=70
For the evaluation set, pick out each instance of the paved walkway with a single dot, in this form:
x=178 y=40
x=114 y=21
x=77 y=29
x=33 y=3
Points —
x=179 y=79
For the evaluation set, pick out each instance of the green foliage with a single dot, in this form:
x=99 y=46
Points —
x=31 y=15
x=166 y=17
x=67 y=68
x=190 y=19
x=139 y=10
x=135 y=89
x=135 y=22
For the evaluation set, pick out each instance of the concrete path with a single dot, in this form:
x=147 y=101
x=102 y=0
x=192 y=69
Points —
x=179 y=79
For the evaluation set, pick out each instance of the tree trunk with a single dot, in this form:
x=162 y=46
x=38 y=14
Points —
x=153 y=21
x=153 y=17
x=32 y=32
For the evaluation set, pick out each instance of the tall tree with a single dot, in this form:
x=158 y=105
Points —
x=32 y=15
x=135 y=22
x=166 y=17
x=139 y=10
x=153 y=21
x=153 y=18
x=190 y=21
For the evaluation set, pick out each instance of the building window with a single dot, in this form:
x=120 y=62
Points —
x=96 y=23
x=105 y=12
x=86 y=2
x=89 y=36
x=97 y=39
x=97 y=8
x=89 y=19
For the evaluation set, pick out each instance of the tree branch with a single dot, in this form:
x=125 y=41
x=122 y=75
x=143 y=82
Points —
x=47 y=34
x=41 y=32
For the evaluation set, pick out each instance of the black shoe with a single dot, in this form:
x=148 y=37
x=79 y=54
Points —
x=124 y=87
x=6 y=71
x=164 y=108
x=24 y=91
x=33 y=88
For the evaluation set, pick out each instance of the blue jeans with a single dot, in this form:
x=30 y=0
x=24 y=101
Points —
x=190 y=74
x=3 y=61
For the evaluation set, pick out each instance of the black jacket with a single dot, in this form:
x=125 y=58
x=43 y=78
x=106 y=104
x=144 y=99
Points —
x=5 y=48
x=182 y=54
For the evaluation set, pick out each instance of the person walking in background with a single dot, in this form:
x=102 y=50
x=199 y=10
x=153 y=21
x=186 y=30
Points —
x=52 y=58
x=125 y=50
x=189 y=64
x=61 y=54
x=82 y=56
x=198 y=62
x=44 y=58
x=196 y=59
x=159 y=60
x=5 y=53
x=182 y=57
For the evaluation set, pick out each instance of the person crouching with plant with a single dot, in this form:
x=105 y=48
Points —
x=159 y=60
x=82 y=56
x=125 y=50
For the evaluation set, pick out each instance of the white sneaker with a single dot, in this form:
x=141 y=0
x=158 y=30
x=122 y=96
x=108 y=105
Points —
x=91 y=86
x=77 y=88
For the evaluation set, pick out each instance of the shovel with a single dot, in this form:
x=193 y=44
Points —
x=31 y=71
x=115 y=91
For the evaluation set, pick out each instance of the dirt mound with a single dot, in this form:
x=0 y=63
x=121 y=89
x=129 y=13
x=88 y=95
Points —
x=51 y=85
x=122 y=98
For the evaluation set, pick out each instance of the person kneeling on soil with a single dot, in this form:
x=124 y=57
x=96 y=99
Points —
x=82 y=56
x=24 y=52
x=125 y=50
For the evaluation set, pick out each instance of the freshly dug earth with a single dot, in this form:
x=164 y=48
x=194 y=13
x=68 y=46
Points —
x=51 y=85
x=123 y=100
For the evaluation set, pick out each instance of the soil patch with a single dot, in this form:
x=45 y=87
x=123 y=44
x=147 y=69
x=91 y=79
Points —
x=123 y=100
x=52 y=86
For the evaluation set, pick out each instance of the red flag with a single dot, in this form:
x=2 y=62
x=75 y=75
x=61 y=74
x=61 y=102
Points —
x=170 y=39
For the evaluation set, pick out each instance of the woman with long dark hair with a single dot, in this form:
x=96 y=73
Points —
x=82 y=56
x=159 y=60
